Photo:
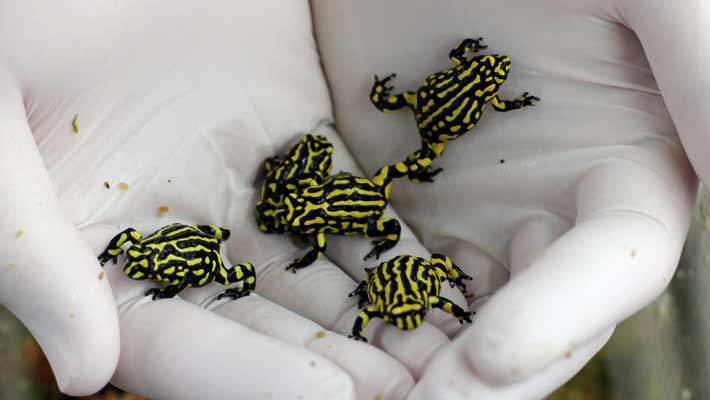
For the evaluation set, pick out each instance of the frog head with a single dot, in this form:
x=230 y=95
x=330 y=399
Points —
x=137 y=265
x=313 y=152
x=501 y=67
x=270 y=164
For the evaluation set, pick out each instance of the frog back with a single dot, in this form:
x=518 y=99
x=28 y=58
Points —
x=342 y=204
x=451 y=101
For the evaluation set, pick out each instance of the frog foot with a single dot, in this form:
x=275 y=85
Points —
x=475 y=44
x=424 y=175
x=358 y=338
x=297 y=264
x=158 y=293
x=380 y=246
x=526 y=100
x=458 y=282
x=382 y=83
x=110 y=254
x=234 y=293
x=465 y=317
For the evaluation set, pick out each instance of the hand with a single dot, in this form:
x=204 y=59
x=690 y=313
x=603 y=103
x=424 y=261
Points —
x=570 y=216
x=177 y=105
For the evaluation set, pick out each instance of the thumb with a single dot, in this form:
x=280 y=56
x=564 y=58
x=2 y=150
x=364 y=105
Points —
x=49 y=277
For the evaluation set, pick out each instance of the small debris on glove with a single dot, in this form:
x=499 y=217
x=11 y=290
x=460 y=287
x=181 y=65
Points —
x=74 y=124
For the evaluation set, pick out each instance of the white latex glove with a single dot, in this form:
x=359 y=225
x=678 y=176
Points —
x=182 y=101
x=570 y=216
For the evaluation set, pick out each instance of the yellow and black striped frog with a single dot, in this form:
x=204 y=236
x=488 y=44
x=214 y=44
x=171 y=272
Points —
x=305 y=163
x=449 y=103
x=181 y=256
x=402 y=290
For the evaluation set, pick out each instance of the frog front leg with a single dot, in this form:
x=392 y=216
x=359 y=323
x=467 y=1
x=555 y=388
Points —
x=361 y=292
x=168 y=291
x=449 y=307
x=113 y=250
x=388 y=228
x=508 y=105
x=312 y=254
x=456 y=55
x=361 y=322
x=244 y=273
x=381 y=98
x=448 y=270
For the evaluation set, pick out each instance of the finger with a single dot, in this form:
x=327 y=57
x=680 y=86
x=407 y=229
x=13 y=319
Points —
x=619 y=256
x=450 y=377
x=348 y=252
x=319 y=293
x=171 y=349
x=414 y=349
x=50 y=278
x=373 y=372
x=184 y=329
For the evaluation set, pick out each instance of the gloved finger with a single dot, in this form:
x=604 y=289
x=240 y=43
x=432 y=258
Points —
x=198 y=345
x=530 y=240
x=319 y=292
x=171 y=349
x=620 y=255
x=50 y=278
x=373 y=372
x=414 y=349
x=450 y=377
x=348 y=252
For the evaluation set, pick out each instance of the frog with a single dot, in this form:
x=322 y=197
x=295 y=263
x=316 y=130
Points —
x=403 y=289
x=450 y=102
x=309 y=161
x=342 y=204
x=181 y=256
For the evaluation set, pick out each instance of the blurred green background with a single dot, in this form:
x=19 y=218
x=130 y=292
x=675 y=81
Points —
x=660 y=353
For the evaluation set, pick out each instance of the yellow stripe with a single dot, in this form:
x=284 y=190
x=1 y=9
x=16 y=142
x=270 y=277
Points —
x=436 y=113
x=457 y=111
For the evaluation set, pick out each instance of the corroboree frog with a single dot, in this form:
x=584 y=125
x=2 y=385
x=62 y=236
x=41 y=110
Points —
x=450 y=102
x=401 y=290
x=181 y=256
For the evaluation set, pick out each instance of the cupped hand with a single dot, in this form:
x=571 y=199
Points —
x=116 y=116
x=570 y=216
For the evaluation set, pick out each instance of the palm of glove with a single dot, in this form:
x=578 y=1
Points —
x=183 y=104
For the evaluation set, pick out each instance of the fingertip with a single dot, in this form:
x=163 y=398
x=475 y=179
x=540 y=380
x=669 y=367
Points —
x=412 y=348
x=77 y=329
x=198 y=354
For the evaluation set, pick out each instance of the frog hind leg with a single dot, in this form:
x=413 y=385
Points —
x=168 y=291
x=388 y=228
x=244 y=273
x=457 y=54
x=526 y=100
x=363 y=318
x=312 y=255
x=382 y=99
x=451 y=308
x=113 y=250
x=417 y=166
